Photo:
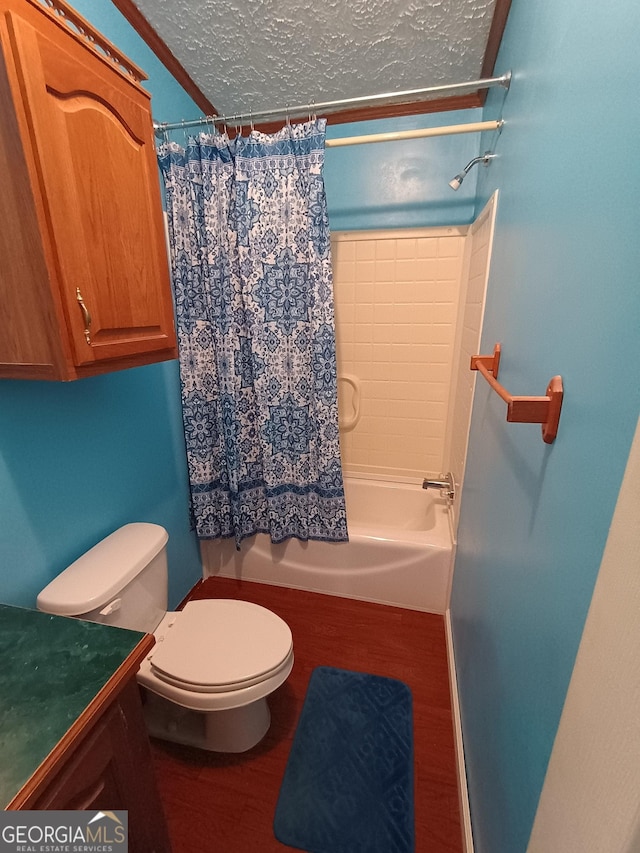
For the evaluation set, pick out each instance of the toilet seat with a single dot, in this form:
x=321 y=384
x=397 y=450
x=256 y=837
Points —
x=218 y=653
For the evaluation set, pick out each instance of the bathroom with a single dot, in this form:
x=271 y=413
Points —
x=80 y=459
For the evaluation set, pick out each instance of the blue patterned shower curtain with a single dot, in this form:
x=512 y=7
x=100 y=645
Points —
x=251 y=266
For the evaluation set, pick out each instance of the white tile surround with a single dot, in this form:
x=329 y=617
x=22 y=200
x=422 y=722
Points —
x=409 y=307
x=468 y=333
x=396 y=296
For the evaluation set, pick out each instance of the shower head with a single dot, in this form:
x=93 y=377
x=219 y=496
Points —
x=456 y=183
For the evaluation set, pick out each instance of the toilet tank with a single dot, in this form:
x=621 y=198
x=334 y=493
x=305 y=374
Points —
x=121 y=581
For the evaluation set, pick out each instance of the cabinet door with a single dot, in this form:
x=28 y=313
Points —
x=112 y=769
x=97 y=773
x=92 y=138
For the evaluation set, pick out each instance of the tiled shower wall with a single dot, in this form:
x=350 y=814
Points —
x=397 y=304
x=409 y=310
x=468 y=332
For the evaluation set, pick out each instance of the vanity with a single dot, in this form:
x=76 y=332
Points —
x=72 y=734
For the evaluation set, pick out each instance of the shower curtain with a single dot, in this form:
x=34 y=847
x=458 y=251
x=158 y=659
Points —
x=251 y=267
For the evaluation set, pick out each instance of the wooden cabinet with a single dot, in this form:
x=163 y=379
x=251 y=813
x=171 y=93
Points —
x=104 y=762
x=110 y=770
x=84 y=281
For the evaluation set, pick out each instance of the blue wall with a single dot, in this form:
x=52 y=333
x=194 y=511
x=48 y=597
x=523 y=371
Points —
x=563 y=297
x=401 y=184
x=78 y=460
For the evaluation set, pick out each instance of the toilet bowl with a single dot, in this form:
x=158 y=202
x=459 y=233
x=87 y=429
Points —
x=214 y=662
x=210 y=672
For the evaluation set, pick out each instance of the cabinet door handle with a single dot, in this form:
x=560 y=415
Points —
x=86 y=316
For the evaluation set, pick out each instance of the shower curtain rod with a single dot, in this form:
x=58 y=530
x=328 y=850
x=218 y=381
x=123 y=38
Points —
x=346 y=103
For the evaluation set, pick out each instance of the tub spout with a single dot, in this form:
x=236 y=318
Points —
x=445 y=484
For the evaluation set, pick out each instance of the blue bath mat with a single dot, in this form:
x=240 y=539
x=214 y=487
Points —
x=348 y=785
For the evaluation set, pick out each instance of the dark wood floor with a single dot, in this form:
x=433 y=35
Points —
x=225 y=803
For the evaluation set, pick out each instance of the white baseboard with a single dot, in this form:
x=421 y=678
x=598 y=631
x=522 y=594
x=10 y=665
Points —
x=463 y=793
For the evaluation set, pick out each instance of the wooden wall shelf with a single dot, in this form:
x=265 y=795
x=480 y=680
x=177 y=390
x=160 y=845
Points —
x=524 y=410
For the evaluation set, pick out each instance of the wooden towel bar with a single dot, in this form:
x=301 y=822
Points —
x=524 y=410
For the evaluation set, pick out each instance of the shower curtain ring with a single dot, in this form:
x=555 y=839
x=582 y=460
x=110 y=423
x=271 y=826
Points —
x=288 y=118
x=251 y=119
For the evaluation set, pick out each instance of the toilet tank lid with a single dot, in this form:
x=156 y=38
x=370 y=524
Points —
x=96 y=577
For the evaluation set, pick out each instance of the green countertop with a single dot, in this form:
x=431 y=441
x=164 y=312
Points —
x=51 y=668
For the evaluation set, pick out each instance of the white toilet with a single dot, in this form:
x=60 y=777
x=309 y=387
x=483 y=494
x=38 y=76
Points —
x=214 y=662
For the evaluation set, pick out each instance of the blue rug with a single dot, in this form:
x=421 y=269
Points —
x=348 y=785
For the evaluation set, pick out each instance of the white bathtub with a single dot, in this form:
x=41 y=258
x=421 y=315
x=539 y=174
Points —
x=399 y=552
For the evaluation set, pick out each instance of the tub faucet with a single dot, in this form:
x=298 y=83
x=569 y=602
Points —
x=445 y=484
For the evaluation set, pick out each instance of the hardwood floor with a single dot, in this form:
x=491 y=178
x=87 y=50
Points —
x=225 y=803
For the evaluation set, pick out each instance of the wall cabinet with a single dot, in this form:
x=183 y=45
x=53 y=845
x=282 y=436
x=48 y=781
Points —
x=84 y=280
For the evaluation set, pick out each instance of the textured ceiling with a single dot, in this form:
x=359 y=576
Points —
x=253 y=55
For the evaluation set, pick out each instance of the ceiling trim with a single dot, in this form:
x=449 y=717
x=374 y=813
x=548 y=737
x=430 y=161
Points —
x=498 y=23
x=159 y=47
x=457 y=102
